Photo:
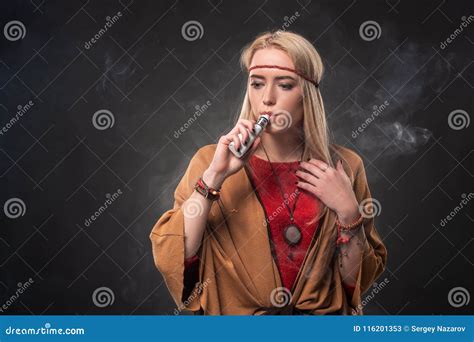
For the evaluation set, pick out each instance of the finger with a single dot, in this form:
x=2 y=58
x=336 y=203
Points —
x=225 y=140
x=313 y=169
x=234 y=129
x=308 y=177
x=319 y=163
x=307 y=187
x=247 y=123
x=243 y=130
x=340 y=168
x=236 y=140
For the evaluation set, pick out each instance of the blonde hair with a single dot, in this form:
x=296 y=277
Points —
x=307 y=61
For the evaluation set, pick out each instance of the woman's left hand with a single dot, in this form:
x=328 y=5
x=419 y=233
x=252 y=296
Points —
x=331 y=185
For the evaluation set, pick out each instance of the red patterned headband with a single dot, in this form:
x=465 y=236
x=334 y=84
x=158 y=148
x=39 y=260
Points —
x=287 y=69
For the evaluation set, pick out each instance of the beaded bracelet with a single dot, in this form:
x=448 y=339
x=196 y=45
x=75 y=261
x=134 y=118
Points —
x=206 y=191
x=353 y=225
x=352 y=229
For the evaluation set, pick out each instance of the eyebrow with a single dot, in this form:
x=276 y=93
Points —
x=276 y=78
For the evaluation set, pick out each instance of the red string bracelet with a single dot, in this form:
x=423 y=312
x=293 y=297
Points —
x=353 y=227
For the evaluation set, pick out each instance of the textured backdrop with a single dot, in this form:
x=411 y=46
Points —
x=102 y=105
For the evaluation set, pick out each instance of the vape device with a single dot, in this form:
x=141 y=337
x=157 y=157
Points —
x=257 y=130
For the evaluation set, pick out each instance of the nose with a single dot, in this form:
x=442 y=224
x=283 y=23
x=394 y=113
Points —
x=269 y=96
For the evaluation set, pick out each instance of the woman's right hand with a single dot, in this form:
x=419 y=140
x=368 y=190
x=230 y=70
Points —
x=225 y=163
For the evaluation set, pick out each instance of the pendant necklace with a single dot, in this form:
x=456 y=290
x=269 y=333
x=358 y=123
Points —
x=291 y=233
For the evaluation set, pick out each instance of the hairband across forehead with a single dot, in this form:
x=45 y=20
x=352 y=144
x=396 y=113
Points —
x=287 y=69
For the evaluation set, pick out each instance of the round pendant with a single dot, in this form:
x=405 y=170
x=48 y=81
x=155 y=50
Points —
x=292 y=234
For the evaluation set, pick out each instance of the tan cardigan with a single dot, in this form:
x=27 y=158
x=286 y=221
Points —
x=238 y=274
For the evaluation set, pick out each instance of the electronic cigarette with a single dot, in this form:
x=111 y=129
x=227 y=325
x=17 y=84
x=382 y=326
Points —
x=257 y=130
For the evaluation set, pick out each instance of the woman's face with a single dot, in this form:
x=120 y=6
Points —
x=275 y=90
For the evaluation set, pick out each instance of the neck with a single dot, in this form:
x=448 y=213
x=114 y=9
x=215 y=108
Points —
x=281 y=147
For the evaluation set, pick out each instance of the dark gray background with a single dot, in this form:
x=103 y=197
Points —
x=151 y=79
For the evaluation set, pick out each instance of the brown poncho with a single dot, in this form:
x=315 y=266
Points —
x=238 y=274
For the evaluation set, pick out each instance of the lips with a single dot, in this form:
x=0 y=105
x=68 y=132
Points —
x=267 y=113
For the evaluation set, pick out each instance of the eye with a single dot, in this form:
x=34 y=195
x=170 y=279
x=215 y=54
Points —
x=256 y=85
x=286 y=86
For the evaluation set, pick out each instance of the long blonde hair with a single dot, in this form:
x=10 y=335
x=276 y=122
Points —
x=308 y=61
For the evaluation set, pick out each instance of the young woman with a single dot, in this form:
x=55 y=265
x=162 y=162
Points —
x=287 y=229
